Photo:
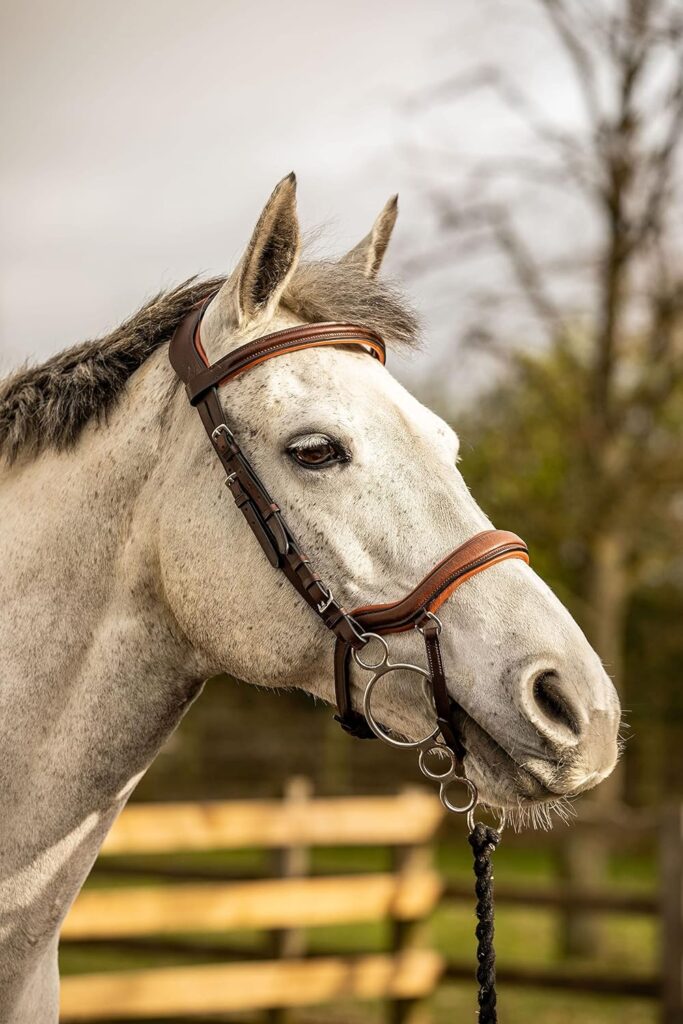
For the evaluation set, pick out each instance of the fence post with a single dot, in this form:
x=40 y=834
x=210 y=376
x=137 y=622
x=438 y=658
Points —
x=406 y=935
x=290 y=862
x=671 y=896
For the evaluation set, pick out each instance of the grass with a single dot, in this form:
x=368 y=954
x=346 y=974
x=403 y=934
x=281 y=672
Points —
x=524 y=936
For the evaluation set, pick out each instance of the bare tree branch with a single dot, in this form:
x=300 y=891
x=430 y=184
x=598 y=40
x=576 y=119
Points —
x=662 y=164
x=565 y=146
x=580 y=57
x=629 y=183
x=495 y=219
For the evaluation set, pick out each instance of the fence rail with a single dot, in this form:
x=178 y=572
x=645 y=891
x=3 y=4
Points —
x=403 y=820
x=282 y=907
x=271 y=903
x=204 y=899
x=227 y=988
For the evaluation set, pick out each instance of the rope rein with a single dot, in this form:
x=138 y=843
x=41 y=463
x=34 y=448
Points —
x=484 y=841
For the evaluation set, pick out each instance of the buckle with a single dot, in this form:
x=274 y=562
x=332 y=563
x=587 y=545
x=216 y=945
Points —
x=222 y=435
x=323 y=605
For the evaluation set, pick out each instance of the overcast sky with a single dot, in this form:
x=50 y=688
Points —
x=141 y=138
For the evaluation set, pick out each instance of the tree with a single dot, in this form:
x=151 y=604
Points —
x=618 y=295
x=526 y=472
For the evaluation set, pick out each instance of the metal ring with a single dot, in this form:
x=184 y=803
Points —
x=434 y=618
x=467 y=808
x=502 y=819
x=437 y=776
x=378 y=731
x=370 y=667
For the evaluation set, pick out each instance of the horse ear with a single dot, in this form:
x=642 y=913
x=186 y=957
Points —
x=254 y=290
x=369 y=252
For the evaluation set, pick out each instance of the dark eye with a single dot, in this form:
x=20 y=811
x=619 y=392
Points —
x=317 y=450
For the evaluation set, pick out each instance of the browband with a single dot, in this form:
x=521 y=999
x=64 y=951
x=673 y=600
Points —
x=192 y=365
x=202 y=380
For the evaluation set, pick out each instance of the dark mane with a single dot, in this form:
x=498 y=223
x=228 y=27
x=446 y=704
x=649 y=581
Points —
x=47 y=406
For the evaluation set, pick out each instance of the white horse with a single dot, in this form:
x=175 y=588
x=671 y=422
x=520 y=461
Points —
x=128 y=578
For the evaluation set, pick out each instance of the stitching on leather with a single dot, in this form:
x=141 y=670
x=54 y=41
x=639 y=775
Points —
x=309 y=343
x=482 y=560
x=462 y=570
x=351 y=330
x=430 y=660
x=224 y=372
x=322 y=327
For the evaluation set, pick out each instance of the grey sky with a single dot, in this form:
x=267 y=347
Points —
x=140 y=139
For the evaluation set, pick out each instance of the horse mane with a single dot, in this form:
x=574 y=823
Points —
x=47 y=406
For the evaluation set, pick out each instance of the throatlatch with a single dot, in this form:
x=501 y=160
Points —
x=440 y=754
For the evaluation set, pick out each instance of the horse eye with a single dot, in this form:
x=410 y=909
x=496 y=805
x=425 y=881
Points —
x=316 y=451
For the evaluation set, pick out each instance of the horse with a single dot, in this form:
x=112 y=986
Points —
x=128 y=580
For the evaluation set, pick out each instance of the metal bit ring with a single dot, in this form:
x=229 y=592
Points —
x=370 y=666
x=376 y=728
x=441 y=748
x=446 y=779
x=468 y=807
x=502 y=819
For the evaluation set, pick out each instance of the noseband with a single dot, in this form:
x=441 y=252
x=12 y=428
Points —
x=354 y=631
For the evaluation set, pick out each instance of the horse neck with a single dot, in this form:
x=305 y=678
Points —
x=94 y=673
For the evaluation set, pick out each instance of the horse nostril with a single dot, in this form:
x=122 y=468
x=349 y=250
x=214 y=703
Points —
x=553 y=703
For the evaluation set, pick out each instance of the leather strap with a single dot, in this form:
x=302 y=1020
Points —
x=443 y=704
x=191 y=363
x=251 y=496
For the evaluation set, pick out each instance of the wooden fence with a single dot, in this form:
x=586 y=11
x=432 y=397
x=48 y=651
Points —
x=406 y=895
x=284 y=906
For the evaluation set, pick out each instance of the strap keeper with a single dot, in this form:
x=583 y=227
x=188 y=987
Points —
x=240 y=495
x=355 y=724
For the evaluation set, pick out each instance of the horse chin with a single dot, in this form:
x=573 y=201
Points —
x=503 y=783
x=531 y=794
x=526 y=792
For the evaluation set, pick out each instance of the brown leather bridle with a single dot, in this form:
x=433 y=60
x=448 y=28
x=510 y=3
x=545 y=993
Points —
x=352 y=630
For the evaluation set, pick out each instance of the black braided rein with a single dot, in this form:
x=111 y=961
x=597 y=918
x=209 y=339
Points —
x=484 y=841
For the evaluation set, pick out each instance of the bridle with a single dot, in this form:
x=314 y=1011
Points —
x=353 y=630
x=356 y=630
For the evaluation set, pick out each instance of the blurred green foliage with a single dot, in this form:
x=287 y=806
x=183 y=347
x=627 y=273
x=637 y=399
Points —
x=524 y=455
